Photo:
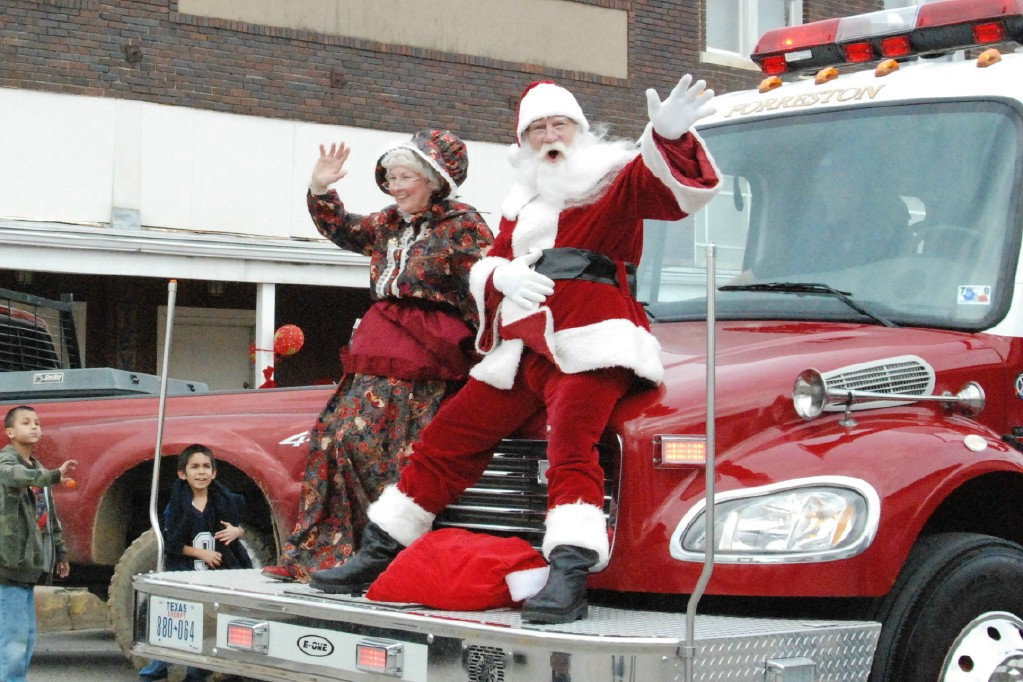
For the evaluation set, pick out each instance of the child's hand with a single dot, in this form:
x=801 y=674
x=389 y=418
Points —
x=63 y=569
x=65 y=468
x=229 y=533
x=209 y=557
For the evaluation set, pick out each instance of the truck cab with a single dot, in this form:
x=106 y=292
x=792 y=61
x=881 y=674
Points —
x=867 y=239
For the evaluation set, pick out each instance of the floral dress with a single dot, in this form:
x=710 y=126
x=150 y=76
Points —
x=412 y=349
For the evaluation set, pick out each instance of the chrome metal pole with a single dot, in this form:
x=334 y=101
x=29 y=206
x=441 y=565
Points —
x=708 y=559
x=154 y=488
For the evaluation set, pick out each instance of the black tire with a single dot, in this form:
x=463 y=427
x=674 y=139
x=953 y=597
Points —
x=140 y=557
x=949 y=581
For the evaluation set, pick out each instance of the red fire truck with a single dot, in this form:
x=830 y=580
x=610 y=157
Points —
x=828 y=483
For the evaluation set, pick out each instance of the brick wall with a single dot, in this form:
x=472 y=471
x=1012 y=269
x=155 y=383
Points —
x=146 y=50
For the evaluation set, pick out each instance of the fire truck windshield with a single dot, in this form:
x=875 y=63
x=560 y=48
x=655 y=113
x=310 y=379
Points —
x=911 y=209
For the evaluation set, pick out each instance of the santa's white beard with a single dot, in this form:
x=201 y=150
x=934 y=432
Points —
x=579 y=176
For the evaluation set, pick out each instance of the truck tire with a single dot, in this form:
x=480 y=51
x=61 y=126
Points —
x=140 y=557
x=953 y=613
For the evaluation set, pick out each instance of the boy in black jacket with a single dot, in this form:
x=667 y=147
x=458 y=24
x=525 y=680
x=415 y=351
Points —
x=201 y=528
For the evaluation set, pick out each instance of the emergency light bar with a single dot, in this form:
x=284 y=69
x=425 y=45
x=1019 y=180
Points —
x=942 y=26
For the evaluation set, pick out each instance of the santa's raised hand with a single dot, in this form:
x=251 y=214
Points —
x=329 y=168
x=687 y=104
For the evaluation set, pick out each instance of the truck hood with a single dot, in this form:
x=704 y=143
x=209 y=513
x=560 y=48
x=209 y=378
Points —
x=757 y=363
x=760 y=440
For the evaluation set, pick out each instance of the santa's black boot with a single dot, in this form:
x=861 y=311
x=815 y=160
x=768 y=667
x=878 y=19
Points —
x=563 y=598
x=354 y=576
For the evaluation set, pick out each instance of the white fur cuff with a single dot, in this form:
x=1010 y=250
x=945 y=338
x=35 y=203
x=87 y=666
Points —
x=524 y=584
x=579 y=525
x=689 y=198
x=479 y=275
x=400 y=516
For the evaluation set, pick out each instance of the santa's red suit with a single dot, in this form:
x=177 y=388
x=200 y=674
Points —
x=575 y=355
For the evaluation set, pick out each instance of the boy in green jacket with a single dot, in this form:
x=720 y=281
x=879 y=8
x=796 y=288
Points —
x=30 y=542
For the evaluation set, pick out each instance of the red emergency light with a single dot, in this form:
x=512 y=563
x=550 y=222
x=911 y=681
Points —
x=248 y=635
x=858 y=52
x=942 y=26
x=964 y=11
x=380 y=656
x=989 y=33
x=895 y=46
x=800 y=36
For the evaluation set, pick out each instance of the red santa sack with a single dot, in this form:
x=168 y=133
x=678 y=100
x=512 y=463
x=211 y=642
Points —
x=456 y=570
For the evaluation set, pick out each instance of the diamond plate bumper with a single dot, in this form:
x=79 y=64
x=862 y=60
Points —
x=612 y=644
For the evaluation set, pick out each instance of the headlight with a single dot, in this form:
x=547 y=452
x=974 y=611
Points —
x=812 y=519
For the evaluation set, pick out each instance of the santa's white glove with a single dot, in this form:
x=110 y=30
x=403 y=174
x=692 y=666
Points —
x=686 y=105
x=522 y=285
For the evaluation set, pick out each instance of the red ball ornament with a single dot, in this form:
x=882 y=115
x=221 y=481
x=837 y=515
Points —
x=288 y=340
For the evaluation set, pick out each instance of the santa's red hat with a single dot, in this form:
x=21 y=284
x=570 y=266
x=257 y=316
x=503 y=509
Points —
x=541 y=99
x=457 y=570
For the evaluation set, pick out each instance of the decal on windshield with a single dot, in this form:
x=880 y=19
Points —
x=974 y=294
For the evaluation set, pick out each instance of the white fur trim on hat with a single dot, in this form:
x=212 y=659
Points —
x=579 y=525
x=688 y=197
x=399 y=516
x=524 y=584
x=427 y=161
x=547 y=99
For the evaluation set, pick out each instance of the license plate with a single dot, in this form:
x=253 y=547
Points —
x=176 y=624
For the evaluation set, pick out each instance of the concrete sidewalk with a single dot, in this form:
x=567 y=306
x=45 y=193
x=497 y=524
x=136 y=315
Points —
x=61 y=608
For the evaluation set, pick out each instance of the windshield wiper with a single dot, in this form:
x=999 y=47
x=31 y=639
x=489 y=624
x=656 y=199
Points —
x=808 y=288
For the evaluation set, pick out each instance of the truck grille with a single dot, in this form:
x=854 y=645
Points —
x=905 y=374
x=510 y=499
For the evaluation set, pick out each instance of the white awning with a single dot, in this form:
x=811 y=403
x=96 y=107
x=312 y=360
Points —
x=147 y=252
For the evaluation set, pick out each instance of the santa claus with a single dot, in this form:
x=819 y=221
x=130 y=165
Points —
x=561 y=331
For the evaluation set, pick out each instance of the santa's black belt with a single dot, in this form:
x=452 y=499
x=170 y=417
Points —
x=569 y=263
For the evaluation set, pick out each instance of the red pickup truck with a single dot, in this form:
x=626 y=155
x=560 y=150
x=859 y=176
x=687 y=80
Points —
x=106 y=419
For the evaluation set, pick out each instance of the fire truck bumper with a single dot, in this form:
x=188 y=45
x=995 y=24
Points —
x=242 y=623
